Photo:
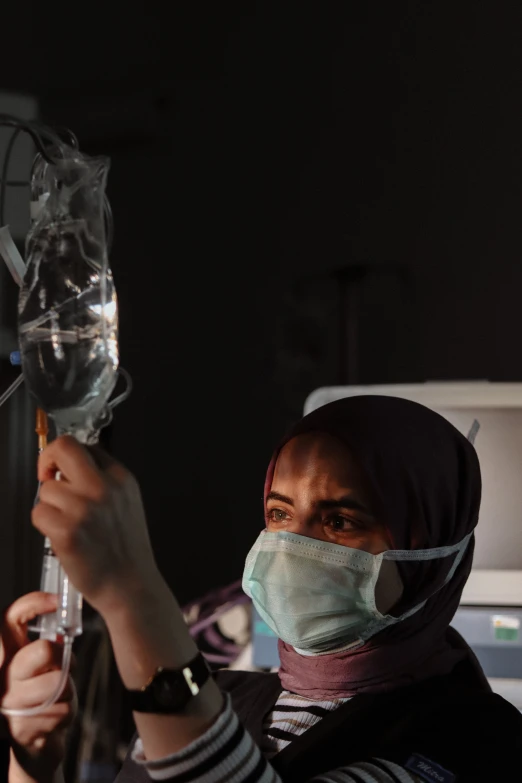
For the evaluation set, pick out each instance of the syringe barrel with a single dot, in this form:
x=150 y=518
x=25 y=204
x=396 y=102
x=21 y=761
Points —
x=67 y=620
x=45 y=625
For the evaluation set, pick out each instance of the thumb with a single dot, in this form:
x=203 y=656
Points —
x=13 y=634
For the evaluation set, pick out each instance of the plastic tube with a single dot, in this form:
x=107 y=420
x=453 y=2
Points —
x=13 y=387
x=28 y=712
x=66 y=622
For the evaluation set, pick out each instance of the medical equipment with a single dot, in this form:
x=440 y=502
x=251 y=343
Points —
x=67 y=324
x=219 y=624
x=67 y=314
x=41 y=429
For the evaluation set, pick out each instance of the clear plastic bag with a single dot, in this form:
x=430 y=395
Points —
x=67 y=312
x=68 y=329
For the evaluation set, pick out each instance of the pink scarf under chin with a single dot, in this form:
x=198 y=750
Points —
x=367 y=670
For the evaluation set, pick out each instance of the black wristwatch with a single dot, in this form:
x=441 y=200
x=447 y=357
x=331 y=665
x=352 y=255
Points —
x=169 y=690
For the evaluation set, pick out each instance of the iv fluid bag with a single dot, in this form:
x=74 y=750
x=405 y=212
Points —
x=67 y=309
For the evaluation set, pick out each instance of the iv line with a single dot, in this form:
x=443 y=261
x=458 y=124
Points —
x=42 y=432
x=12 y=388
x=66 y=665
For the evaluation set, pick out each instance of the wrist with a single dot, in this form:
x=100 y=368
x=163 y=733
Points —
x=132 y=595
x=137 y=603
x=147 y=631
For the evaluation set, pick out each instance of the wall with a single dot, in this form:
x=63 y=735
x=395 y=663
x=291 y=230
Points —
x=256 y=155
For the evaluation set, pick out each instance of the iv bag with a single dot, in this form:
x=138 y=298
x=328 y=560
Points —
x=67 y=308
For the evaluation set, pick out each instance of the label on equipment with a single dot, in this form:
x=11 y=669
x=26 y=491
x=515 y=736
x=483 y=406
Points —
x=506 y=627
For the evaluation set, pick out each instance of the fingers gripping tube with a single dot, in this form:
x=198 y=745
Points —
x=29 y=712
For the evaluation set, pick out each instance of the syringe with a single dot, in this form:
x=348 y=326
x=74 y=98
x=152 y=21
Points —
x=67 y=620
x=64 y=624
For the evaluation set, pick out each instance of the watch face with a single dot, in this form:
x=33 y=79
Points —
x=171 y=690
x=166 y=693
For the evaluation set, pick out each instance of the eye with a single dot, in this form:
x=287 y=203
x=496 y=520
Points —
x=277 y=515
x=340 y=524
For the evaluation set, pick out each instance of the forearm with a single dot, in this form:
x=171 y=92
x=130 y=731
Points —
x=147 y=631
x=18 y=775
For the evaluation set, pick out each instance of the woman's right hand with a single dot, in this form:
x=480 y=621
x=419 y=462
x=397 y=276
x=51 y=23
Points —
x=30 y=673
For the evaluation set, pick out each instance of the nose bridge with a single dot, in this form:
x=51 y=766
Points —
x=297 y=525
x=302 y=521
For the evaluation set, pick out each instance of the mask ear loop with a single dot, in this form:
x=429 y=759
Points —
x=459 y=549
x=459 y=555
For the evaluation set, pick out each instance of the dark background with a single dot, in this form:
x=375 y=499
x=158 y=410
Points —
x=260 y=153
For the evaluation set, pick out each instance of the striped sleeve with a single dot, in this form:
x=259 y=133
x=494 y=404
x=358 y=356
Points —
x=226 y=753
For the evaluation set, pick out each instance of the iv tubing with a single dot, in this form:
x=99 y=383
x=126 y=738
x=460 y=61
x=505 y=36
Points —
x=13 y=387
x=42 y=429
x=66 y=665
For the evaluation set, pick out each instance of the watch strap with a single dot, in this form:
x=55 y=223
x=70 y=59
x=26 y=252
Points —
x=170 y=690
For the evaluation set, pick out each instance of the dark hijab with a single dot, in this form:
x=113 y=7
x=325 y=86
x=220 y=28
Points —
x=424 y=478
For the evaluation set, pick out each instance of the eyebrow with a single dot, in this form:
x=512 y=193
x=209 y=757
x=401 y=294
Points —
x=347 y=502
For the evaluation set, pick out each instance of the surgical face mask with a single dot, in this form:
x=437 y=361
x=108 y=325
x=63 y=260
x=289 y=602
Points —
x=318 y=596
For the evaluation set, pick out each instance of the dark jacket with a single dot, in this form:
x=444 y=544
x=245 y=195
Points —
x=454 y=721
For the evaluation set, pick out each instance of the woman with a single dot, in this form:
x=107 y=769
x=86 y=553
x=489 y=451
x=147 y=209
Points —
x=370 y=507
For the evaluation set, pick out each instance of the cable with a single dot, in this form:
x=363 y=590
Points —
x=28 y=712
x=41 y=135
x=52 y=135
x=73 y=139
x=34 y=132
x=5 y=170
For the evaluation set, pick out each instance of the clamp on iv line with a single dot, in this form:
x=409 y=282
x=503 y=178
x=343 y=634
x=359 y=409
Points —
x=67 y=327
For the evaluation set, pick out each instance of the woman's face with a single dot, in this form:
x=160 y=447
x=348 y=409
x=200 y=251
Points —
x=318 y=491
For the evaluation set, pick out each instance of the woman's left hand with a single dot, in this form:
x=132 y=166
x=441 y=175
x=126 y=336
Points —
x=30 y=674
